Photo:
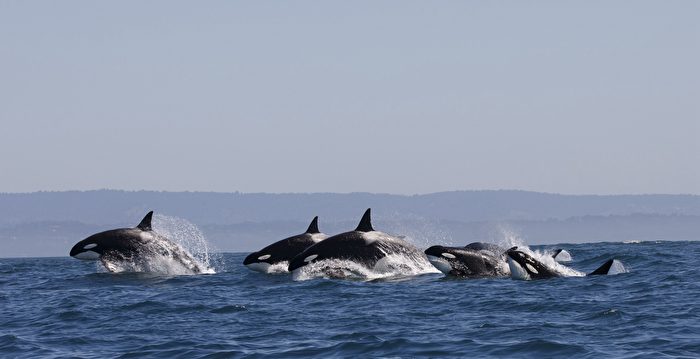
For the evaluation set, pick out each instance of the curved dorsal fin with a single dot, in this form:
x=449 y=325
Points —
x=556 y=253
x=145 y=224
x=365 y=223
x=604 y=269
x=313 y=227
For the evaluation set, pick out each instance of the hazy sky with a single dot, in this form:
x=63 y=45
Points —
x=378 y=96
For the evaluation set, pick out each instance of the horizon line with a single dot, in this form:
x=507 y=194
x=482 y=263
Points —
x=345 y=193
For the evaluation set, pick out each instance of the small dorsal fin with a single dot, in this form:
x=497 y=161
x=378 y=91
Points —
x=313 y=227
x=365 y=223
x=145 y=224
x=604 y=269
x=556 y=253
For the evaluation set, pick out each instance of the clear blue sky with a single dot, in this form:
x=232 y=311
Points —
x=378 y=96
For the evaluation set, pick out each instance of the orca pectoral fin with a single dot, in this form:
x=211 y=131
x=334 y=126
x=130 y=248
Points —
x=604 y=269
x=556 y=253
x=145 y=224
x=313 y=227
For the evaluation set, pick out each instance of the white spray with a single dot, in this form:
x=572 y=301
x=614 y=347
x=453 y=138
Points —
x=510 y=238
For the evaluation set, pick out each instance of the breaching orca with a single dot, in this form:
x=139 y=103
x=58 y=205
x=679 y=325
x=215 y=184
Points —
x=473 y=260
x=363 y=246
x=281 y=252
x=524 y=266
x=134 y=245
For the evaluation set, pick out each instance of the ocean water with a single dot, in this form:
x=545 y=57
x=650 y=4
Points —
x=63 y=307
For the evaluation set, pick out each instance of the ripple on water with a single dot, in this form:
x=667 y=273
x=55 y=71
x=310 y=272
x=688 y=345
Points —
x=70 y=315
x=229 y=309
x=538 y=348
x=608 y=314
x=7 y=340
x=146 y=307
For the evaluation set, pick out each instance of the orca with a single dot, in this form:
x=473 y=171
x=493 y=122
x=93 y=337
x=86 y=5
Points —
x=135 y=245
x=363 y=246
x=281 y=252
x=473 y=260
x=524 y=266
x=482 y=246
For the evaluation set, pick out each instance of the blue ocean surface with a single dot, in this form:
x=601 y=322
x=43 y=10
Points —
x=63 y=307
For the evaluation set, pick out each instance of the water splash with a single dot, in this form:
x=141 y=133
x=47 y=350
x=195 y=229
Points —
x=277 y=268
x=156 y=265
x=509 y=238
x=545 y=258
x=506 y=236
x=392 y=266
x=188 y=236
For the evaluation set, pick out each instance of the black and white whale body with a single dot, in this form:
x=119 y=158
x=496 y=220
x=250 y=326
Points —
x=136 y=246
x=525 y=266
x=482 y=246
x=473 y=260
x=364 y=247
x=281 y=252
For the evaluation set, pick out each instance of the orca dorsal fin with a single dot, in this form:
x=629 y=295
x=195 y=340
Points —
x=604 y=269
x=556 y=253
x=365 y=223
x=313 y=227
x=145 y=224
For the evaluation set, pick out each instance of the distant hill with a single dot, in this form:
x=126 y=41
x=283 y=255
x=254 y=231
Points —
x=46 y=223
x=109 y=207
